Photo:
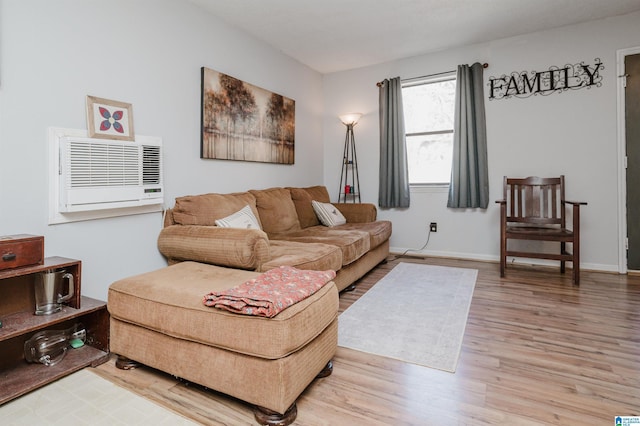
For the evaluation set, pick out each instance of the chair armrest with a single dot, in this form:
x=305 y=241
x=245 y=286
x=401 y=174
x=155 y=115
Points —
x=501 y=201
x=358 y=212
x=576 y=217
x=236 y=248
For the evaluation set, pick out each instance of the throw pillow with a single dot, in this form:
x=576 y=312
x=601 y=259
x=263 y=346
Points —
x=244 y=218
x=328 y=214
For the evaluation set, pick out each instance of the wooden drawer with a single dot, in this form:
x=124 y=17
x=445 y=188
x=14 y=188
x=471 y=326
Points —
x=21 y=250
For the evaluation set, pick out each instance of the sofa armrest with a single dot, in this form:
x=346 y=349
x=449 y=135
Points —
x=358 y=212
x=167 y=218
x=236 y=248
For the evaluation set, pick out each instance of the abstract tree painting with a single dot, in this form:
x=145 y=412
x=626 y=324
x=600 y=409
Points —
x=244 y=122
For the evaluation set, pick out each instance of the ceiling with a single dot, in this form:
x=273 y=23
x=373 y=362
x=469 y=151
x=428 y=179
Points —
x=337 y=35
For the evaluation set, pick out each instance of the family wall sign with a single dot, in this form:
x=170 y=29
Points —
x=554 y=80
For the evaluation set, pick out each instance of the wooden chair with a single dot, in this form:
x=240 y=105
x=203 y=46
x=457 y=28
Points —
x=534 y=208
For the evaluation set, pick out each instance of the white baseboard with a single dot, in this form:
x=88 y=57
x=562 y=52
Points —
x=490 y=258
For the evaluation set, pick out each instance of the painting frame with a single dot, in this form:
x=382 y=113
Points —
x=243 y=122
x=109 y=119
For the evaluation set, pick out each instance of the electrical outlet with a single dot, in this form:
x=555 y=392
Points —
x=433 y=227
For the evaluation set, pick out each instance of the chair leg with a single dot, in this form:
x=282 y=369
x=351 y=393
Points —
x=576 y=263
x=503 y=256
x=503 y=235
x=563 y=250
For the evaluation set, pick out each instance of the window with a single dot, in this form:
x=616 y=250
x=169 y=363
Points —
x=428 y=118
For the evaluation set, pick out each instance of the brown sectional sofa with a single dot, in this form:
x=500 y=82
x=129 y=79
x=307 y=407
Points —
x=158 y=318
x=291 y=233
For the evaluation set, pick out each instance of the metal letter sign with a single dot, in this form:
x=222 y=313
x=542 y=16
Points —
x=555 y=80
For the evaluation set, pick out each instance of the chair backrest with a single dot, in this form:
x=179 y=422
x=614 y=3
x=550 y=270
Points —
x=535 y=200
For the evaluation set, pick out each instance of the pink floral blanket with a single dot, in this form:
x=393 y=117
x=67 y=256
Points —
x=270 y=293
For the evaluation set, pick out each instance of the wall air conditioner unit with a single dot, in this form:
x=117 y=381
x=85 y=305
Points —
x=97 y=174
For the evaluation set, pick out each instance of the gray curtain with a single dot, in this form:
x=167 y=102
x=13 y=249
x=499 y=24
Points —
x=469 y=187
x=394 y=176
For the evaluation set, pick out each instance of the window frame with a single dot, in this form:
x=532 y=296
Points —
x=418 y=81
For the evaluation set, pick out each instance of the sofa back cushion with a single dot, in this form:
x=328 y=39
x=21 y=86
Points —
x=207 y=208
x=276 y=209
x=302 y=198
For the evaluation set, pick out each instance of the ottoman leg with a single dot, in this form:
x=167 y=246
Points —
x=124 y=363
x=326 y=371
x=350 y=288
x=267 y=417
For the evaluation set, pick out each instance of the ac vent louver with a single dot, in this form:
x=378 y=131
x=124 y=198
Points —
x=151 y=162
x=94 y=164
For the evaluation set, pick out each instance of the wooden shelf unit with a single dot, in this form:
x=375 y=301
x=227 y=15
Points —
x=19 y=323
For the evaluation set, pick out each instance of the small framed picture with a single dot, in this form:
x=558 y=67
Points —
x=107 y=119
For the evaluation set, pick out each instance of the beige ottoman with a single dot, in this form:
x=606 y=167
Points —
x=158 y=319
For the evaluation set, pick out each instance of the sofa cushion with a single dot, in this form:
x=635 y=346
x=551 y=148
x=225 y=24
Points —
x=169 y=301
x=314 y=256
x=379 y=231
x=276 y=209
x=353 y=243
x=207 y=208
x=302 y=198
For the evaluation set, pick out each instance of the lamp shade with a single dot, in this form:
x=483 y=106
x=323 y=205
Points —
x=350 y=118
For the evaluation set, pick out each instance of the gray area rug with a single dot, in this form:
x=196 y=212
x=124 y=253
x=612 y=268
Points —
x=416 y=313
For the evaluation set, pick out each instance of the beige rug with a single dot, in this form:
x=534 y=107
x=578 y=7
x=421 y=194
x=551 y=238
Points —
x=416 y=313
x=84 y=398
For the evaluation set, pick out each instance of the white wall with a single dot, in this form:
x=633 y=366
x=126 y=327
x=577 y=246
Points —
x=148 y=53
x=572 y=133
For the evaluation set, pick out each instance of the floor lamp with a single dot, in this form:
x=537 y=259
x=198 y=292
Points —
x=349 y=181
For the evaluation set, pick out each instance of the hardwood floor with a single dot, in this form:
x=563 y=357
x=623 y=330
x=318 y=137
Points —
x=537 y=350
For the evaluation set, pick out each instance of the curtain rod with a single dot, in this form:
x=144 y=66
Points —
x=485 y=65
